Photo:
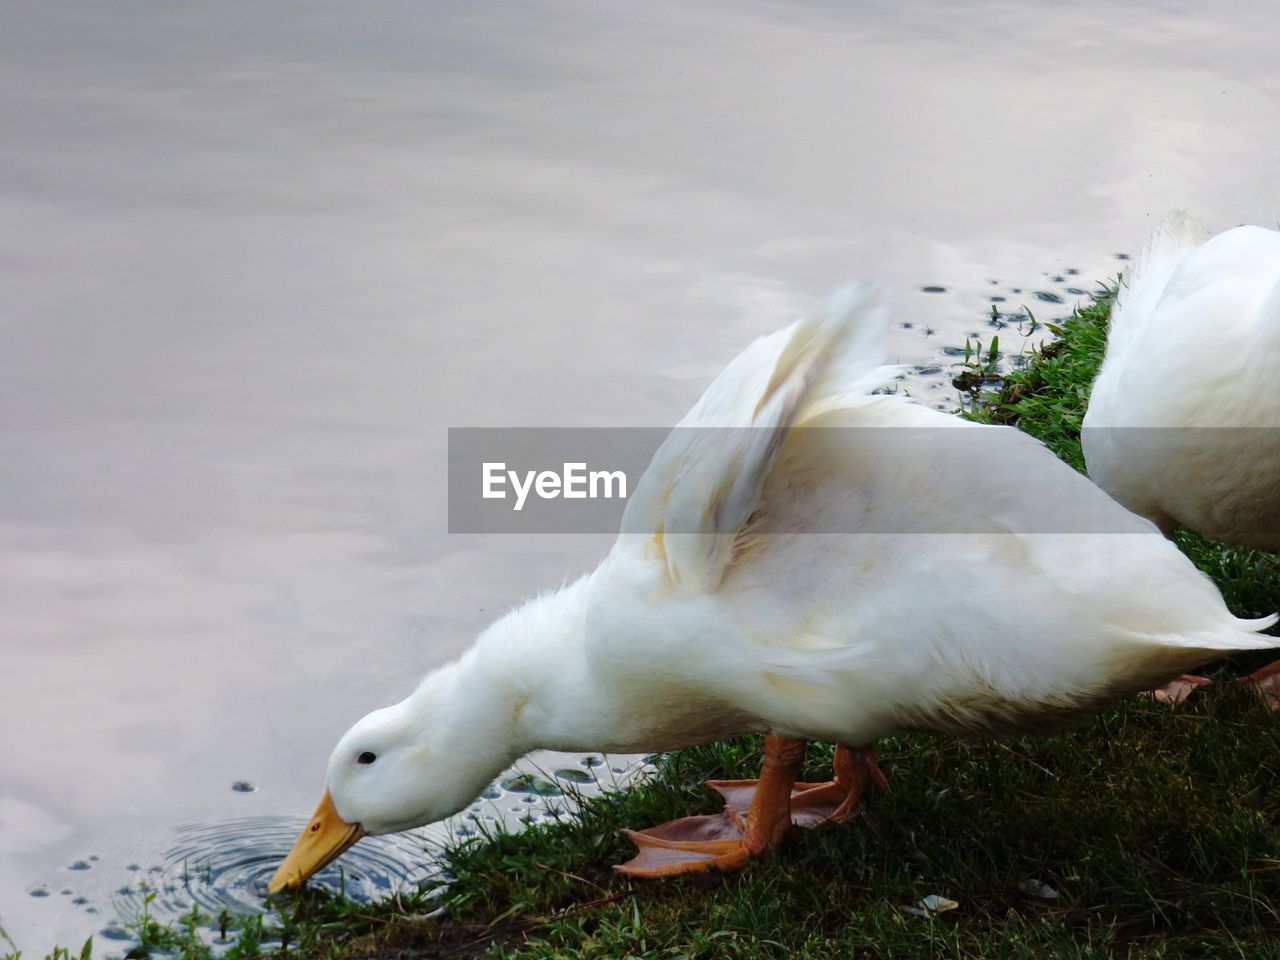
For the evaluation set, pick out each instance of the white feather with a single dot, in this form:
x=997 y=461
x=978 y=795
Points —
x=1144 y=282
x=1183 y=423
x=704 y=482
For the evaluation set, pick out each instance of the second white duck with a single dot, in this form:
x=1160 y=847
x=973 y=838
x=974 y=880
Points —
x=1183 y=423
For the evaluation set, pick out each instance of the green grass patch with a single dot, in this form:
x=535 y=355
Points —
x=1048 y=395
x=1158 y=828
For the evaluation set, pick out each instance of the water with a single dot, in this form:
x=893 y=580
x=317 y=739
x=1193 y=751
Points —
x=257 y=260
x=226 y=867
x=223 y=866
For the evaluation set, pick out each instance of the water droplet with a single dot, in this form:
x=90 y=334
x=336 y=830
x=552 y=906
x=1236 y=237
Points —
x=1123 y=256
x=933 y=289
x=1072 y=272
x=997 y=299
x=40 y=893
x=906 y=326
x=244 y=786
x=81 y=865
x=1075 y=291
x=528 y=783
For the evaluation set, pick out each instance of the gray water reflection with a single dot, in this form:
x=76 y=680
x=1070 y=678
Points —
x=258 y=259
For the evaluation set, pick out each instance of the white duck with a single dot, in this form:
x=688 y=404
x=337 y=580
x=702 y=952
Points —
x=1183 y=418
x=781 y=570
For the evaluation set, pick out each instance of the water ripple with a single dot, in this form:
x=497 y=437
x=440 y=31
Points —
x=226 y=866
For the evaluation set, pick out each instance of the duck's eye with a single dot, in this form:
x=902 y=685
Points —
x=366 y=757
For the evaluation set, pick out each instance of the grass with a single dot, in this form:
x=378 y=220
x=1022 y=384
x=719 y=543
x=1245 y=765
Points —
x=1048 y=395
x=1157 y=828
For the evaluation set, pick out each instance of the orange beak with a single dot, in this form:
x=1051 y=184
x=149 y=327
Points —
x=326 y=838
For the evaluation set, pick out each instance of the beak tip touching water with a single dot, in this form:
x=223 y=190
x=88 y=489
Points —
x=285 y=878
x=278 y=883
x=325 y=838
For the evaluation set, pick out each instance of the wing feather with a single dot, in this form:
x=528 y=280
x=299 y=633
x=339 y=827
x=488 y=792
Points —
x=704 y=483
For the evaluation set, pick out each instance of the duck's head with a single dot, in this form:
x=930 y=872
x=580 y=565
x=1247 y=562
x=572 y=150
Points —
x=400 y=767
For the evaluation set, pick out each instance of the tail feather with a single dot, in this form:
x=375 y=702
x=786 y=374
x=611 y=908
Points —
x=1144 y=282
x=1251 y=637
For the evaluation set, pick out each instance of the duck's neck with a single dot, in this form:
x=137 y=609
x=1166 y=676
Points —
x=543 y=677
x=530 y=672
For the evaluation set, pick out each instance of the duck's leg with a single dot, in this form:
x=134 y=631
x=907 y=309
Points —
x=1178 y=689
x=856 y=770
x=1266 y=683
x=757 y=813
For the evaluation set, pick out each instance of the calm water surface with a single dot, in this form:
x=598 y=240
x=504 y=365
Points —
x=256 y=260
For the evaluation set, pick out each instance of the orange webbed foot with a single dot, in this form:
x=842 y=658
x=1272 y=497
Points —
x=757 y=814
x=1266 y=684
x=1178 y=689
x=689 y=845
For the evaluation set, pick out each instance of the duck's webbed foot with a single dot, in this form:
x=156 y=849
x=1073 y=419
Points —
x=1266 y=683
x=757 y=813
x=1178 y=689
